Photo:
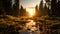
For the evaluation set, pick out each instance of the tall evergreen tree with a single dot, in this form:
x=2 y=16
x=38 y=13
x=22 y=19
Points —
x=58 y=9
x=7 y=6
x=41 y=8
x=23 y=11
x=16 y=8
x=45 y=10
x=53 y=7
x=36 y=10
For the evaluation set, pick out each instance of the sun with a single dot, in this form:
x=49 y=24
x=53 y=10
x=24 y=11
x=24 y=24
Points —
x=31 y=11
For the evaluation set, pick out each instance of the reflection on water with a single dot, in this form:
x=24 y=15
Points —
x=31 y=25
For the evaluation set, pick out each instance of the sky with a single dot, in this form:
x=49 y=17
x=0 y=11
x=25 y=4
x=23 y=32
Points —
x=29 y=3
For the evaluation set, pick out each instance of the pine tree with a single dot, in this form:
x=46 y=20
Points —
x=16 y=8
x=36 y=10
x=40 y=13
x=45 y=11
x=53 y=8
x=23 y=11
